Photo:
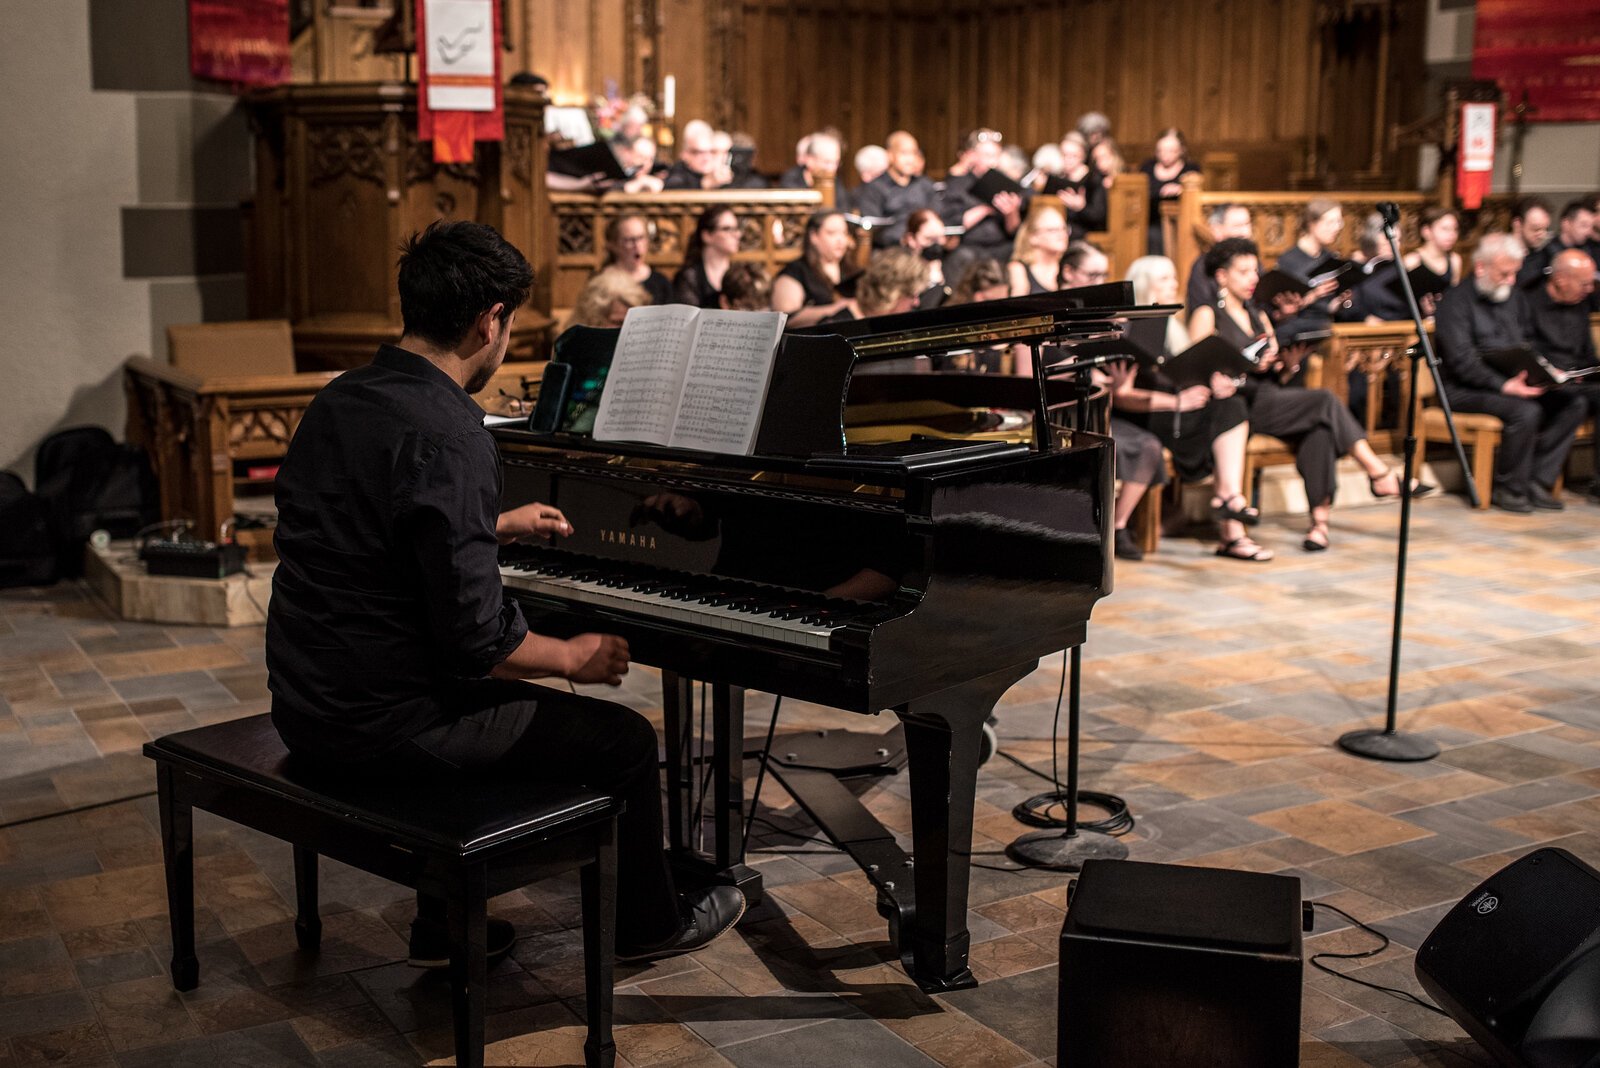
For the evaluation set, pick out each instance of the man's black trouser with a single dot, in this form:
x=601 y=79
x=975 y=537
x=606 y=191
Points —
x=1535 y=437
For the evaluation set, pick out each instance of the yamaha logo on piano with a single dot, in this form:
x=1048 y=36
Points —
x=627 y=537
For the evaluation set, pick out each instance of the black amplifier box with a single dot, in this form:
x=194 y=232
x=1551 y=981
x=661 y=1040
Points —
x=192 y=559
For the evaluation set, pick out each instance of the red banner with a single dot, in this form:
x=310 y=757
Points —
x=453 y=132
x=243 y=42
x=1549 y=49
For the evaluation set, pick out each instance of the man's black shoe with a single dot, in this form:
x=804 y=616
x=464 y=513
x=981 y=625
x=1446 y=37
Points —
x=707 y=914
x=1126 y=546
x=1543 y=499
x=1507 y=501
x=430 y=942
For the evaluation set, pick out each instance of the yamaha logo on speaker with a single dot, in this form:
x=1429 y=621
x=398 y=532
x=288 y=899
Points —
x=1486 y=904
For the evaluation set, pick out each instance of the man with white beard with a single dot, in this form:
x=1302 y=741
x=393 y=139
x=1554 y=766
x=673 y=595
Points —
x=1487 y=311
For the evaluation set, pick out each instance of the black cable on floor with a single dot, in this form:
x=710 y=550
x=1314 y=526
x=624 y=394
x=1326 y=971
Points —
x=1316 y=961
x=74 y=811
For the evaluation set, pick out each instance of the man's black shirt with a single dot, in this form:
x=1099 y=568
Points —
x=1560 y=331
x=1466 y=323
x=388 y=589
x=886 y=198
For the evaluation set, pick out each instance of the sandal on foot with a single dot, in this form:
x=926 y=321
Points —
x=1222 y=510
x=1312 y=544
x=1244 y=549
x=1419 y=488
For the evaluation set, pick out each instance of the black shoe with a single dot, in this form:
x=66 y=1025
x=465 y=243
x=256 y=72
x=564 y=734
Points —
x=1544 y=500
x=1126 y=546
x=707 y=914
x=1507 y=501
x=430 y=942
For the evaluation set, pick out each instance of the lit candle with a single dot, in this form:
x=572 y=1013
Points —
x=669 y=103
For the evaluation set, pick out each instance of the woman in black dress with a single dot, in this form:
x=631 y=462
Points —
x=1314 y=422
x=711 y=248
x=627 y=244
x=1080 y=188
x=1313 y=253
x=1206 y=428
x=1440 y=229
x=1165 y=170
x=807 y=289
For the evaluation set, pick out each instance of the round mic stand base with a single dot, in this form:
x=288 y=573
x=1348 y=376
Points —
x=1388 y=745
x=1060 y=852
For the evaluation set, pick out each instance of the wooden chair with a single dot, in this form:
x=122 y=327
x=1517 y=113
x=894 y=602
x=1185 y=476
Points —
x=224 y=350
x=1480 y=436
x=464 y=842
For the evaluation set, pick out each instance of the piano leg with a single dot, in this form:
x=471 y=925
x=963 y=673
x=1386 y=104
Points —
x=943 y=735
x=677 y=713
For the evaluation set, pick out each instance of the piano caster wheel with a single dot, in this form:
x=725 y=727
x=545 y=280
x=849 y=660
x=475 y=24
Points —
x=987 y=744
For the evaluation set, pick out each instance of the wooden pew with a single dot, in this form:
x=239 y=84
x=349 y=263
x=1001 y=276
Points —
x=772 y=225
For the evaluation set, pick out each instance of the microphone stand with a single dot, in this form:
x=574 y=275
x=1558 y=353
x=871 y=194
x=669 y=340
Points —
x=1390 y=743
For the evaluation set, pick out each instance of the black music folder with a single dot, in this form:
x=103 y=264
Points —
x=595 y=159
x=1424 y=283
x=992 y=184
x=1516 y=359
x=1195 y=365
x=1276 y=282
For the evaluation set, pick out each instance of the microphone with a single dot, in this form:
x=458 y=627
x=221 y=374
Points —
x=1390 y=212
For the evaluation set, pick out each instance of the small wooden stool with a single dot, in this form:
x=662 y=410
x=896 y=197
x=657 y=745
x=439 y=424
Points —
x=463 y=844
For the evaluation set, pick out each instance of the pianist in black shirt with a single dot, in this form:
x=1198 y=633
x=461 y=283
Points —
x=392 y=647
x=1558 y=320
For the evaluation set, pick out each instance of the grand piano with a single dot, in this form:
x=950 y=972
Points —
x=923 y=576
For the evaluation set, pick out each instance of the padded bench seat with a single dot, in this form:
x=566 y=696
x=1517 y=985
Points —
x=461 y=840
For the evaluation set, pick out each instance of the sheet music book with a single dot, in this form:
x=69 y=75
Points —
x=690 y=378
x=1541 y=372
x=992 y=184
x=1423 y=282
x=1277 y=281
x=1195 y=365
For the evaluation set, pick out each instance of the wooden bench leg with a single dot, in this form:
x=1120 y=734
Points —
x=307 y=922
x=599 y=884
x=177 y=849
x=1483 y=467
x=469 y=971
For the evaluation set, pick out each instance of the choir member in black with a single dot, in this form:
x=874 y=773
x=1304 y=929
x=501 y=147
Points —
x=807 y=289
x=816 y=161
x=1439 y=229
x=1592 y=246
x=711 y=249
x=984 y=280
x=988 y=226
x=1313 y=422
x=1376 y=296
x=699 y=165
x=392 y=648
x=1321 y=223
x=1206 y=428
x=1224 y=221
x=1530 y=224
x=1084 y=265
x=1558 y=316
x=1107 y=159
x=638 y=158
x=1165 y=170
x=1094 y=127
x=1574 y=229
x=897 y=192
x=925 y=236
x=1047 y=164
x=1081 y=189
x=627 y=244
x=746 y=287
x=869 y=162
x=605 y=299
x=890 y=285
x=1489 y=311
x=1036 y=252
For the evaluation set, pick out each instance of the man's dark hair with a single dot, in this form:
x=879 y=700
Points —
x=1574 y=208
x=453 y=272
x=1520 y=209
x=1224 y=252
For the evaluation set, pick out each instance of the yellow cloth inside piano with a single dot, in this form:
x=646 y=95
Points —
x=903 y=420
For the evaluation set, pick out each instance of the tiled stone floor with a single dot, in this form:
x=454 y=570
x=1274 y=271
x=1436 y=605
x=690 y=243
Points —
x=1212 y=693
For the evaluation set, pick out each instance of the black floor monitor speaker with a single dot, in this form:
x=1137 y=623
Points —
x=1180 y=967
x=1517 y=962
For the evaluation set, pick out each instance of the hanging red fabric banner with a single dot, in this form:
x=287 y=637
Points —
x=243 y=42
x=458 y=76
x=1475 y=154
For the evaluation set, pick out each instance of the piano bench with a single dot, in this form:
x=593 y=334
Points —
x=463 y=841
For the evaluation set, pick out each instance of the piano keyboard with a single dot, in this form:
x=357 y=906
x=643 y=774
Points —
x=747 y=609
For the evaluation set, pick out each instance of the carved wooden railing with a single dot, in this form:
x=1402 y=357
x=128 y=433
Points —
x=205 y=435
x=1377 y=353
x=771 y=227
